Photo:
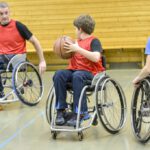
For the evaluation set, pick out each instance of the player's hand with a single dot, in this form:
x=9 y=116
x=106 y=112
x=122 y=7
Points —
x=72 y=47
x=136 y=82
x=42 y=67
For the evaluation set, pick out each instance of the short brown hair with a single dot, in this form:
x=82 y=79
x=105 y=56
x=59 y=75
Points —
x=86 y=23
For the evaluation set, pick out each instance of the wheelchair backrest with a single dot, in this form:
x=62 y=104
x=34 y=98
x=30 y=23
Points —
x=103 y=61
x=100 y=75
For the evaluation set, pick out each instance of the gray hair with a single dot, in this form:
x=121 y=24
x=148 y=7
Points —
x=3 y=5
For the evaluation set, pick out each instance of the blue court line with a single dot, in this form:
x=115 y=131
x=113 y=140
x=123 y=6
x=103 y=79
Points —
x=7 y=141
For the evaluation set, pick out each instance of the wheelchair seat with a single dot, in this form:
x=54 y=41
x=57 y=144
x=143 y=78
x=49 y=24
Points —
x=87 y=83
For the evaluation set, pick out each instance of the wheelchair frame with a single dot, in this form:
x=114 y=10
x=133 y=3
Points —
x=140 y=111
x=98 y=84
x=17 y=65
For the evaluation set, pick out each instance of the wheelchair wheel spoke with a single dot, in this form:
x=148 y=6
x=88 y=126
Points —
x=113 y=106
x=32 y=87
x=113 y=113
x=140 y=112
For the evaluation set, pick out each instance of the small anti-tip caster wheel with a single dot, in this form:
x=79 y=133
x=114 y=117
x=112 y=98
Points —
x=54 y=135
x=80 y=135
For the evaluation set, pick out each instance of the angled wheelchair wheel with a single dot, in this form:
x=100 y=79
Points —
x=51 y=111
x=110 y=104
x=27 y=83
x=49 y=105
x=140 y=111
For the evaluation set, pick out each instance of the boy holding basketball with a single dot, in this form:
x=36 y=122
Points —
x=85 y=63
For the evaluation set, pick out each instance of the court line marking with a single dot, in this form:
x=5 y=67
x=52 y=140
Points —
x=27 y=124
x=10 y=122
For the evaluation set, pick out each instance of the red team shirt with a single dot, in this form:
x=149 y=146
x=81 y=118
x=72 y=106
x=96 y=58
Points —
x=11 y=41
x=79 y=62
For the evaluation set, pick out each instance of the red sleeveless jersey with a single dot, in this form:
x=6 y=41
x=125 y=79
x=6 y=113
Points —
x=79 y=62
x=11 y=42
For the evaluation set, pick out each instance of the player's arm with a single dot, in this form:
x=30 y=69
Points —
x=144 y=72
x=146 y=69
x=93 y=55
x=26 y=34
x=35 y=42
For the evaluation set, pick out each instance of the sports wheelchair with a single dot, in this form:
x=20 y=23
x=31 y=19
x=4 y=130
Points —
x=106 y=101
x=140 y=111
x=21 y=81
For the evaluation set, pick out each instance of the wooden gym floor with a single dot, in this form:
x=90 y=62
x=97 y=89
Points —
x=26 y=128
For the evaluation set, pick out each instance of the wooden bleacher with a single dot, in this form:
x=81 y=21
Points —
x=122 y=26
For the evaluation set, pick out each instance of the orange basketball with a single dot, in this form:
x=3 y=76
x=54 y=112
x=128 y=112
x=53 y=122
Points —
x=59 y=49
